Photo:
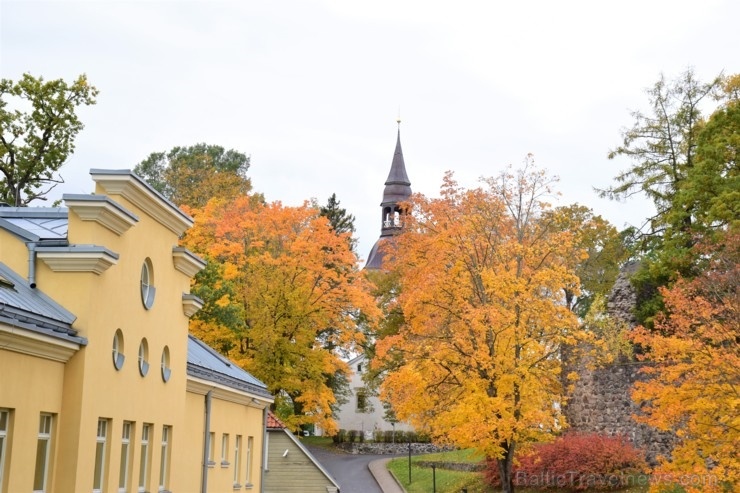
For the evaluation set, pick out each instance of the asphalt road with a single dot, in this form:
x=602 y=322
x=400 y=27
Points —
x=349 y=470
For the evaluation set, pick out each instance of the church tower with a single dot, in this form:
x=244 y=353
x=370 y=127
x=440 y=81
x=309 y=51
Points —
x=397 y=190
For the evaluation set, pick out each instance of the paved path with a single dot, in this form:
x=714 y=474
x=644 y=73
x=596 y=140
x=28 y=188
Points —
x=385 y=479
x=358 y=473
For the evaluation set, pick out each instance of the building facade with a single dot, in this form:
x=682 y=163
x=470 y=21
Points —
x=102 y=389
x=364 y=412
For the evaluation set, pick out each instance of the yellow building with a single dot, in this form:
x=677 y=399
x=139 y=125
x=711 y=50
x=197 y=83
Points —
x=101 y=388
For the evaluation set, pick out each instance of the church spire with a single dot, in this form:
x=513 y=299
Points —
x=397 y=185
x=397 y=190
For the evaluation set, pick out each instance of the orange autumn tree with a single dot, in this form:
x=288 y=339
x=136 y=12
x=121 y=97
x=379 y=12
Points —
x=694 y=372
x=295 y=293
x=482 y=276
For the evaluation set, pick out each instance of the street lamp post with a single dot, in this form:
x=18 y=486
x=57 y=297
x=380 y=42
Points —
x=409 y=460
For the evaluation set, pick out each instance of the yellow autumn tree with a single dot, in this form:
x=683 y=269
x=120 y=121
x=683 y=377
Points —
x=482 y=276
x=693 y=371
x=286 y=298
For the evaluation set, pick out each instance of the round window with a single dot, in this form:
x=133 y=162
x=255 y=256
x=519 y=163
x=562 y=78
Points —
x=166 y=372
x=118 y=357
x=143 y=358
x=147 y=284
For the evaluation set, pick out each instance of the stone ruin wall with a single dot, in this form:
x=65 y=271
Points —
x=600 y=401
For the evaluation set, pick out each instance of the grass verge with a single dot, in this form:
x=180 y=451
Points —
x=425 y=480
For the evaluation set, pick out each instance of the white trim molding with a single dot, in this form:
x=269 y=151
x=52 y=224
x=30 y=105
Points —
x=34 y=344
x=191 y=304
x=102 y=210
x=187 y=262
x=139 y=193
x=78 y=258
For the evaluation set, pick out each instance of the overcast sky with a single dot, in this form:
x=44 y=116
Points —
x=311 y=89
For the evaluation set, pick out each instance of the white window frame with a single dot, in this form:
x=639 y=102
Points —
x=211 y=447
x=4 y=433
x=46 y=426
x=165 y=363
x=118 y=357
x=143 y=357
x=164 y=458
x=237 y=460
x=146 y=431
x=147 y=284
x=225 y=450
x=126 y=450
x=101 y=446
x=249 y=458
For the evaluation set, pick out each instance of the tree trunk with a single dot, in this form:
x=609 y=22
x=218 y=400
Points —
x=505 y=468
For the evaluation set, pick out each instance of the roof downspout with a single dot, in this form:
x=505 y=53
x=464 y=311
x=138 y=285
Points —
x=206 y=442
x=31 y=264
x=264 y=448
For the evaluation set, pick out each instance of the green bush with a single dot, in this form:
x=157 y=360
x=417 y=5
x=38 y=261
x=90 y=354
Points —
x=352 y=436
x=340 y=437
x=388 y=436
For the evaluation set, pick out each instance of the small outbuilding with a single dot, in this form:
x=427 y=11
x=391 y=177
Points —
x=289 y=466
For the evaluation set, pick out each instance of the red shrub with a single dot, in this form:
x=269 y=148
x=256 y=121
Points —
x=575 y=462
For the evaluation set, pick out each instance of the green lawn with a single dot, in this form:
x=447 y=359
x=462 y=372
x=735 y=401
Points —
x=423 y=479
x=315 y=441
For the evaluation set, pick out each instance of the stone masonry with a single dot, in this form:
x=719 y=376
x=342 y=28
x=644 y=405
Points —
x=600 y=401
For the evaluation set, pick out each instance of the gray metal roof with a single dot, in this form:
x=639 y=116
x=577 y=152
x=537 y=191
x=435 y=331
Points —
x=22 y=306
x=375 y=259
x=204 y=362
x=397 y=190
x=77 y=248
x=397 y=185
x=80 y=197
x=36 y=223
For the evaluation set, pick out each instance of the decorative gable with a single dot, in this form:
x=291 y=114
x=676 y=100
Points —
x=138 y=192
x=102 y=210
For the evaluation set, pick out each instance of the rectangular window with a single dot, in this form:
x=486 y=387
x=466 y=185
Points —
x=100 y=460
x=164 y=459
x=249 y=457
x=145 y=458
x=43 y=449
x=361 y=400
x=237 y=460
x=224 y=450
x=126 y=450
x=4 y=432
x=211 y=447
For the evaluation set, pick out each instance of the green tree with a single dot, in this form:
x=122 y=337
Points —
x=342 y=224
x=712 y=188
x=340 y=220
x=603 y=253
x=662 y=147
x=193 y=175
x=35 y=143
